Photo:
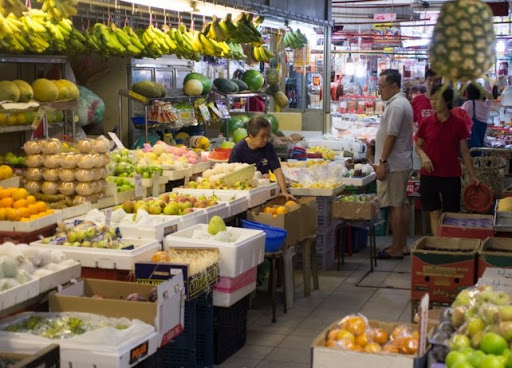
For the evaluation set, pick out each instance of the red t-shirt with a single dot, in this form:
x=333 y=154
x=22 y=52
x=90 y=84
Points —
x=421 y=107
x=441 y=143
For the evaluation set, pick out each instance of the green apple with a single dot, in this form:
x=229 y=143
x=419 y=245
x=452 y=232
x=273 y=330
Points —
x=155 y=209
x=462 y=299
x=491 y=361
x=506 y=330
x=505 y=313
x=459 y=316
x=459 y=341
x=476 y=357
x=493 y=343
x=490 y=313
x=500 y=298
x=462 y=364
x=453 y=357
x=475 y=325
x=477 y=339
x=172 y=209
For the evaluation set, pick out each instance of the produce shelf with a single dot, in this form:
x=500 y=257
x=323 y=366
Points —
x=15 y=128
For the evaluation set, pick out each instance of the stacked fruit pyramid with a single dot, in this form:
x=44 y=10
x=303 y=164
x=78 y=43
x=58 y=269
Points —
x=62 y=175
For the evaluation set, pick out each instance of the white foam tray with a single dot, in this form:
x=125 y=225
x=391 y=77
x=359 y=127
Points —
x=13 y=182
x=75 y=211
x=29 y=226
x=108 y=258
x=359 y=182
x=80 y=355
x=19 y=294
x=235 y=258
x=177 y=174
x=200 y=167
x=60 y=277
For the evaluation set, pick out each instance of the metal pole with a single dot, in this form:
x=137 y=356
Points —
x=327 y=80
x=304 y=77
x=120 y=113
x=73 y=125
x=146 y=122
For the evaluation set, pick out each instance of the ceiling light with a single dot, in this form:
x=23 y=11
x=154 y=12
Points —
x=178 y=6
x=186 y=6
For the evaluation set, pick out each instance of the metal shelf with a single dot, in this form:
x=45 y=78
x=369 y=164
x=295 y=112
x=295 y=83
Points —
x=15 y=128
x=57 y=105
x=35 y=59
x=228 y=96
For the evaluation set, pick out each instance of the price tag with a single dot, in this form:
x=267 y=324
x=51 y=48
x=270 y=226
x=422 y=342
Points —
x=156 y=184
x=186 y=179
x=108 y=216
x=138 y=186
x=116 y=140
x=423 y=314
x=138 y=97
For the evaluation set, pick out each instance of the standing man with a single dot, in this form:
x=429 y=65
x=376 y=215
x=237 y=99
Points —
x=393 y=154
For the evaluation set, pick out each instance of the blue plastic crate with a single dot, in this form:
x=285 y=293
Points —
x=359 y=238
x=194 y=347
x=140 y=120
x=274 y=237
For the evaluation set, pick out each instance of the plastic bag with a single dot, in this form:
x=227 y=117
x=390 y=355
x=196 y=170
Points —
x=91 y=108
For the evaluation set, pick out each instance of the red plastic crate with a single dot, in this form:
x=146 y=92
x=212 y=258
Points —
x=26 y=238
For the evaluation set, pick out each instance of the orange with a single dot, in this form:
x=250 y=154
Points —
x=20 y=203
x=3 y=214
x=332 y=344
x=41 y=206
x=6 y=202
x=379 y=335
x=362 y=340
x=389 y=348
x=409 y=345
x=290 y=203
x=20 y=193
x=10 y=191
x=160 y=257
x=281 y=210
x=399 y=331
x=3 y=193
x=31 y=199
x=333 y=334
x=13 y=214
x=373 y=347
x=349 y=345
x=23 y=211
x=33 y=217
x=355 y=324
x=32 y=208
x=269 y=210
x=345 y=335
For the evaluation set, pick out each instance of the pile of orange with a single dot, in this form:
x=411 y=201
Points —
x=17 y=205
x=354 y=333
x=279 y=210
x=5 y=172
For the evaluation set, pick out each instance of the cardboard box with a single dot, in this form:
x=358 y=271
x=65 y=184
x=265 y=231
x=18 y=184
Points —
x=154 y=273
x=467 y=232
x=308 y=211
x=48 y=357
x=166 y=314
x=288 y=221
x=355 y=210
x=442 y=267
x=495 y=252
x=324 y=357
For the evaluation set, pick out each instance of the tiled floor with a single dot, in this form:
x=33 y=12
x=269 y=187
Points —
x=383 y=294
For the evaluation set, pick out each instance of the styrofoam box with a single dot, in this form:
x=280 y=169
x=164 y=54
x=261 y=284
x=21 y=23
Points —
x=13 y=182
x=105 y=202
x=200 y=167
x=359 y=182
x=59 y=277
x=177 y=174
x=121 y=197
x=80 y=355
x=338 y=145
x=236 y=204
x=148 y=182
x=235 y=258
x=19 y=294
x=228 y=291
x=75 y=211
x=317 y=192
x=108 y=258
x=221 y=209
x=29 y=226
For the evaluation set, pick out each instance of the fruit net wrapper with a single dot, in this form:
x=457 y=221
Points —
x=83 y=328
x=475 y=312
x=330 y=174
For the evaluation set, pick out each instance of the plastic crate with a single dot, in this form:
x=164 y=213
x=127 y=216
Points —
x=274 y=237
x=229 y=329
x=17 y=237
x=194 y=347
x=359 y=238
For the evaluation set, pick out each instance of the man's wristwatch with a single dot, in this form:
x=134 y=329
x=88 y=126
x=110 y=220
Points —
x=381 y=161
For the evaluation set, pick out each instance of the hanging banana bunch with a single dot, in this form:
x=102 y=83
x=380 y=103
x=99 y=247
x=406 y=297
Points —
x=15 y=7
x=59 y=9
x=262 y=54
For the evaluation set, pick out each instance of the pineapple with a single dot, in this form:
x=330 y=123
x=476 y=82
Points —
x=463 y=43
x=280 y=99
x=272 y=89
x=272 y=77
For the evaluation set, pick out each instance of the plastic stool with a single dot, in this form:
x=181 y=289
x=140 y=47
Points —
x=274 y=257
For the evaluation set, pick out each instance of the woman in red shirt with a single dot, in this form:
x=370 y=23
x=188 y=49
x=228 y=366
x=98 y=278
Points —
x=441 y=137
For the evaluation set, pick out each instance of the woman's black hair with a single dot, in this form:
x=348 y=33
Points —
x=473 y=93
x=447 y=94
x=256 y=124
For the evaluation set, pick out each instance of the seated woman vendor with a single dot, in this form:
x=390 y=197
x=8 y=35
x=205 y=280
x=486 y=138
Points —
x=255 y=149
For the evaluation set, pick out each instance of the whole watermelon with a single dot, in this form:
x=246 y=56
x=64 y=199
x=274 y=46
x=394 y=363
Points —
x=205 y=81
x=253 y=79
x=229 y=126
x=273 y=120
x=245 y=119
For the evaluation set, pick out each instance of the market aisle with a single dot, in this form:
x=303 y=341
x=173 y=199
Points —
x=384 y=295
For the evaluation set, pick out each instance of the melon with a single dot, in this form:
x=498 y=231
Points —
x=253 y=79
x=163 y=91
x=239 y=134
x=205 y=81
x=193 y=87
x=63 y=90
x=45 y=90
x=9 y=91
x=273 y=120
x=146 y=89
x=242 y=86
x=72 y=88
x=229 y=126
x=26 y=92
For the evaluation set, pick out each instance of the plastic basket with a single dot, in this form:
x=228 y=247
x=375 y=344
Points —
x=140 y=121
x=194 y=347
x=229 y=329
x=274 y=237
x=477 y=198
